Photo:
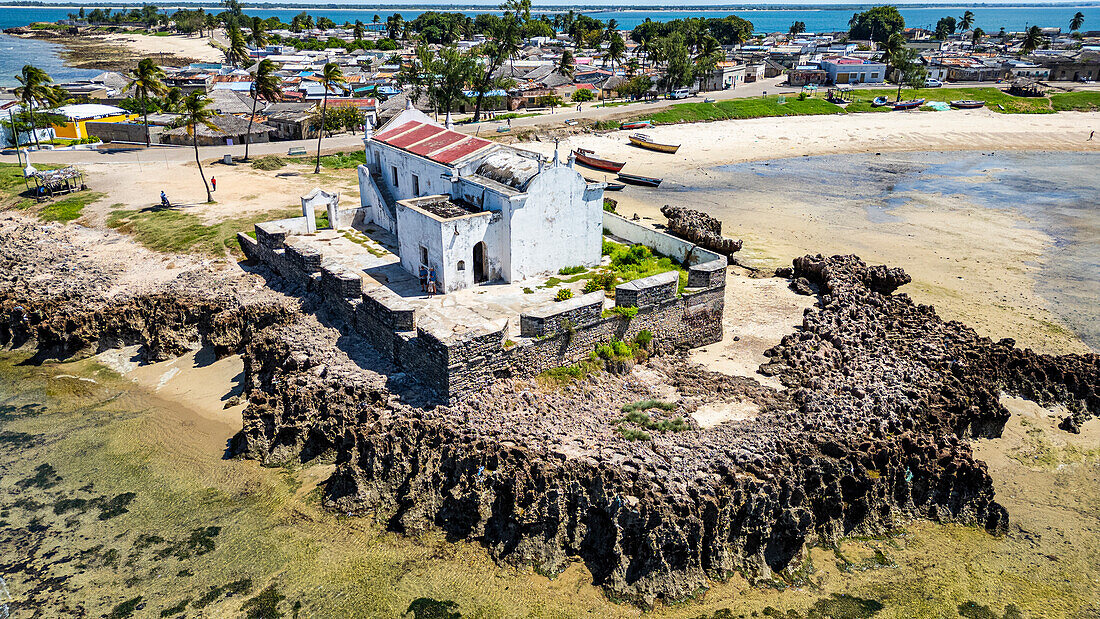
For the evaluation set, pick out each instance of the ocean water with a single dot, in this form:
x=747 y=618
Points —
x=14 y=52
x=1057 y=193
x=824 y=18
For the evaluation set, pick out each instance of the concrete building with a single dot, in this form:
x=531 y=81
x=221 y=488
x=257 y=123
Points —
x=476 y=211
x=848 y=70
x=80 y=113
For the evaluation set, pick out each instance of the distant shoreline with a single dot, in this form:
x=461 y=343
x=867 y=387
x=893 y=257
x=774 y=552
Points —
x=490 y=6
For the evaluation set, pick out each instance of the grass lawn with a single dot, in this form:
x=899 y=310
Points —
x=756 y=107
x=68 y=208
x=339 y=161
x=991 y=95
x=176 y=231
x=13 y=189
x=1085 y=101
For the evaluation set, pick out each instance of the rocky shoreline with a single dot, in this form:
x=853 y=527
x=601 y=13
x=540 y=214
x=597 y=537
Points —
x=871 y=431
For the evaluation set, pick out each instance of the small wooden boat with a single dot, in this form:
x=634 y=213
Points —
x=637 y=124
x=879 y=102
x=967 y=104
x=610 y=185
x=588 y=158
x=908 y=105
x=644 y=141
x=634 y=179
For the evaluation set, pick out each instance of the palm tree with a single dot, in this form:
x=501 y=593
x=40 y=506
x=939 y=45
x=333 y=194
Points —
x=565 y=64
x=34 y=88
x=146 y=79
x=259 y=37
x=358 y=33
x=1032 y=40
x=195 y=111
x=173 y=99
x=1077 y=21
x=966 y=21
x=266 y=85
x=237 y=52
x=331 y=78
x=976 y=36
x=616 y=49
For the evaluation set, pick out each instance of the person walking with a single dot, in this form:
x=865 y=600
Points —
x=213 y=184
x=1091 y=133
x=423 y=278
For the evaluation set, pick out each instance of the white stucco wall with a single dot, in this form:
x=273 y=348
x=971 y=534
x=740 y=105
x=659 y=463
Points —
x=559 y=224
x=449 y=242
x=430 y=173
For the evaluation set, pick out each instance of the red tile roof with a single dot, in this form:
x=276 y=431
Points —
x=432 y=141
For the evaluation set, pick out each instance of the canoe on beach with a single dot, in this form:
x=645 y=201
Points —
x=644 y=141
x=637 y=124
x=967 y=104
x=589 y=158
x=908 y=105
x=879 y=102
x=634 y=179
x=611 y=186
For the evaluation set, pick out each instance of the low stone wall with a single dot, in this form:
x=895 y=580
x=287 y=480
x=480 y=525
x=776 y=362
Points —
x=551 y=336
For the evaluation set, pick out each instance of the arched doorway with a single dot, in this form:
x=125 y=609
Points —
x=481 y=269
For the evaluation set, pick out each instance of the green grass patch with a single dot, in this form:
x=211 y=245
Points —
x=993 y=97
x=268 y=163
x=176 y=231
x=573 y=270
x=512 y=115
x=1085 y=101
x=343 y=161
x=68 y=208
x=757 y=107
x=625 y=311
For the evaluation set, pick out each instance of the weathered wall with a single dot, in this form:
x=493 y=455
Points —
x=460 y=365
x=558 y=225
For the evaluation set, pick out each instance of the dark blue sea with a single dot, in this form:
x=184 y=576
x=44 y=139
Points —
x=14 y=53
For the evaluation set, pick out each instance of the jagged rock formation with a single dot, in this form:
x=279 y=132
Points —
x=699 y=228
x=882 y=395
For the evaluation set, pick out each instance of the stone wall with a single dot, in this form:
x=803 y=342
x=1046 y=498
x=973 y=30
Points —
x=551 y=336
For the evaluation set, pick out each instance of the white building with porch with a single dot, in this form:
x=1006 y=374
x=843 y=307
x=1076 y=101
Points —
x=473 y=210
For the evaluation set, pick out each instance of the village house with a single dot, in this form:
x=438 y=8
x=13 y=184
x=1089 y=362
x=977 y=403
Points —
x=476 y=211
x=849 y=70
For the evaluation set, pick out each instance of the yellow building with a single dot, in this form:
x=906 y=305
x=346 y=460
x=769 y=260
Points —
x=80 y=113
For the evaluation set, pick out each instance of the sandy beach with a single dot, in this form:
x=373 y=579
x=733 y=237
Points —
x=195 y=47
x=975 y=265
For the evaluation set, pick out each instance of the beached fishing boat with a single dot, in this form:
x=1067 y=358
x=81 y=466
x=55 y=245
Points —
x=636 y=124
x=611 y=186
x=879 y=102
x=634 y=179
x=589 y=158
x=644 y=141
x=908 y=105
x=967 y=104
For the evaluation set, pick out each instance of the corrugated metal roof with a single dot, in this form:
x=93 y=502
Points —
x=432 y=141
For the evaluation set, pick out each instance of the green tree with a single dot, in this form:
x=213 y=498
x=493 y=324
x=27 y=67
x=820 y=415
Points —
x=147 y=79
x=502 y=34
x=195 y=111
x=797 y=28
x=258 y=35
x=876 y=24
x=908 y=70
x=394 y=26
x=582 y=95
x=944 y=27
x=237 y=52
x=616 y=49
x=34 y=89
x=1032 y=40
x=266 y=86
x=332 y=78
x=358 y=32
x=966 y=21
x=976 y=36
x=1077 y=21
x=566 y=66
x=420 y=73
x=454 y=70
x=672 y=52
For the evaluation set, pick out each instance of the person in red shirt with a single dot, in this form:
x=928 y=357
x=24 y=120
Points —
x=213 y=184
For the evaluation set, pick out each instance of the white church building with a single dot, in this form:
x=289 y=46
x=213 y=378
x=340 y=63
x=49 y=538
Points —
x=474 y=210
